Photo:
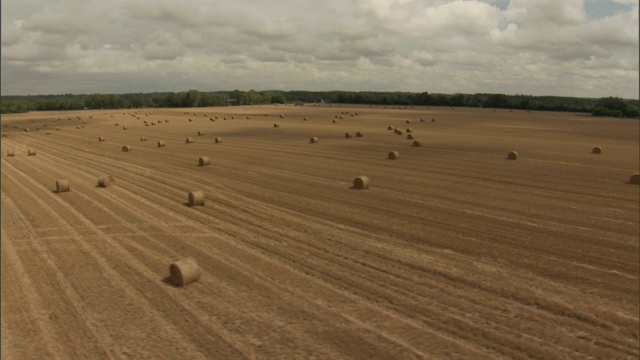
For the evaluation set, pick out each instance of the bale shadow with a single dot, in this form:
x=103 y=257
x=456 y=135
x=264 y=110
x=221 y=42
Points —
x=167 y=281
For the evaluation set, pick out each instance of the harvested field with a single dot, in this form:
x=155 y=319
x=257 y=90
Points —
x=452 y=252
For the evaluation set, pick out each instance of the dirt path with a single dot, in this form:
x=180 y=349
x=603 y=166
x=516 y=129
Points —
x=454 y=251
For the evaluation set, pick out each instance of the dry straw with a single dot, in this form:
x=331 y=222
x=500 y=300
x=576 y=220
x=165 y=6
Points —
x=196 y=198
x=62 y=185
x=393 y=155
x=513 y=155
x=361 y=182
x=184 y=271
x=105 y=181
x=204 y=161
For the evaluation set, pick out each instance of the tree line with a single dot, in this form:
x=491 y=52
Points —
x=609 y=106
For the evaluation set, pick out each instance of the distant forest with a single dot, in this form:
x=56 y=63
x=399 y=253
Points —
x=609 y=106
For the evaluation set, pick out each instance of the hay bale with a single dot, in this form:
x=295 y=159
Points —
x=57 y=128
x=314 y=140
x=393 y=155
x=398 y=132
x=422 y=120
x=218 y=140
x=597 y=150
x=190 y=120
x=196 y=198
x=276 y=125
x=78 y=127
x=408 y=122
x=101 y=138
x=161 y=143
x=165 y=120
x=433 y=120
x=126 y=148
x=117 y=124
x=188 y=140
x=347 y=135
x=200 y=133
x=143 y=138
x=391 y=128
x=305 y=118
x=31 y=152
x=415 y=143
x=183 y=272
x=410 y=137
x=335 y=121
x=124 y=128
x=409 y=130
x=153 y=124
x=105 y=181
x=159 y=121
x=47 y=132
x=359 y=134
x=635 y=179
x=513 y=155
x=147 y=124
x=11 y=153
x=204 y=161
x=361 y=182
x=26 y=129
x=62 y=185
x=281 y=116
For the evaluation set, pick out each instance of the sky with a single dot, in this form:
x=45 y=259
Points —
x=581 y=48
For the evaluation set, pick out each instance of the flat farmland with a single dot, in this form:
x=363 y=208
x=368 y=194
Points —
x=453 y=251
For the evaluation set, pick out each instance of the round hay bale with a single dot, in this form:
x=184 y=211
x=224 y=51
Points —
x=393 y=155
x=635 y=179
x=204 y=161
x=183 y=272
x=117 y=124
x=62 y=185
x=143 y=138
x=105 y=181
x=57 y=128
x=281 y=116
x=314 y=140
x=433 y=120
x=26 y=129
x=421 y=120
x=409 y=130
x=196 y=198
x=31 y=152
x=408 y=122
x=78 y=127
x=153 y=124
x=124 y=128
x=390 y=128
x=101 y=138
x=410 y=137
x=47 y=132
x=597 y=150
x=159 y=121
x=359 y=134
x=200 y=133
x=415 y=143
x=233 y=117
x=398 y=132
x=165 y=120
x=335 y=121
x=11 y=153
x=161 y=143
x=218 y=140
x=361 y=182
x=305 y=118
x=190 y=120
x=188 y=140
x=347 y=135
x=276 y=125
x=147 y=124
x=126 y=148
x=513 y=155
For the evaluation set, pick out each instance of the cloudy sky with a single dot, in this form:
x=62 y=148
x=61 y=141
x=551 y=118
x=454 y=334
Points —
x=584 y=48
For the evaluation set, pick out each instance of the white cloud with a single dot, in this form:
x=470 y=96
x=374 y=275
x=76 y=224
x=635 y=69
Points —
x=532 y=46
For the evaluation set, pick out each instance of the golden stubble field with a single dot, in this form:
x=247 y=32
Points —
x=453 y=252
